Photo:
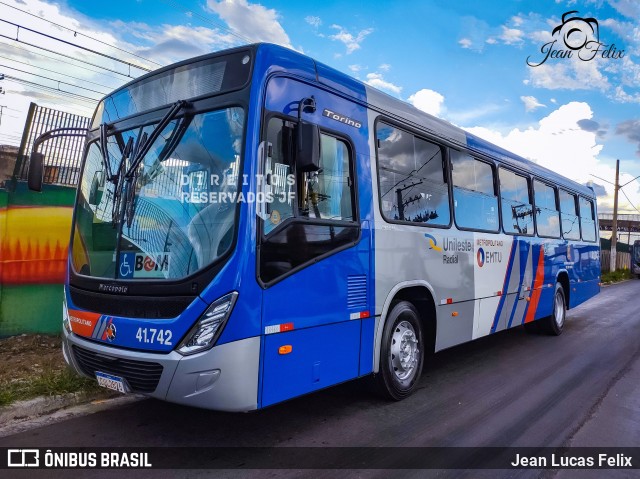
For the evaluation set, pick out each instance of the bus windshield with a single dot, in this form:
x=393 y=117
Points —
x=161 y=217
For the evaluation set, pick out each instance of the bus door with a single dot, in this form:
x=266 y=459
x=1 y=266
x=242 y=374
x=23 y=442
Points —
x=313 y=250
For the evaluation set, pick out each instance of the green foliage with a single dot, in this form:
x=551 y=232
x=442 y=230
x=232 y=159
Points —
x=48 y=383
x=617 y=276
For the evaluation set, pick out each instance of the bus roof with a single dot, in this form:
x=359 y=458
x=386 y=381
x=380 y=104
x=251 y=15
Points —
x=392 y=107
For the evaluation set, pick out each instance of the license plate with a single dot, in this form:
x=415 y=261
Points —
x=108 y=381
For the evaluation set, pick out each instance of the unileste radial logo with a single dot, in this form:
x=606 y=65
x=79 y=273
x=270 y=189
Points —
x=433 y=243
x=575 y=37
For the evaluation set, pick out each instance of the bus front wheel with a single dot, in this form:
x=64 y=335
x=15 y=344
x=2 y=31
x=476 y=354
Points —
x=402 y=352
x=554 y=324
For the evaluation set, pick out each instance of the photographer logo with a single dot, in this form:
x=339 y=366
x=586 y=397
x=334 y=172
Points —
x=575 y=37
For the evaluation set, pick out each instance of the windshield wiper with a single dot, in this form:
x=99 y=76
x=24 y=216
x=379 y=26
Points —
x=141 y=150
x=117 y=192
x=145 y=146
x=105 y=153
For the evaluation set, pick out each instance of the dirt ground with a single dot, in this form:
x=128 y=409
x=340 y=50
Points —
x=30 y=355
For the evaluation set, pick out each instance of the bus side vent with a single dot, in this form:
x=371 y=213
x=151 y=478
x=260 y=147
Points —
x=357 y=291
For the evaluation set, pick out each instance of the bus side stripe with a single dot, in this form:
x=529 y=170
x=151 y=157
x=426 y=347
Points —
x=505 y=286
x=537 y=288
x=524 y=260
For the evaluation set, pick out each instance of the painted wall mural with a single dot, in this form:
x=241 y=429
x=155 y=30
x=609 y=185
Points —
x=34 y=240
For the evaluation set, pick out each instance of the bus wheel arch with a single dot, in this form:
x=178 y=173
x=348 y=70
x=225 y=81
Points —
x=403 y=303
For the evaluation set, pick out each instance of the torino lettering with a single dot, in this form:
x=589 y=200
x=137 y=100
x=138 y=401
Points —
x=341 y=118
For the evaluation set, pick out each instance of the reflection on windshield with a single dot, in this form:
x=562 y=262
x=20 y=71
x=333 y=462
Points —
x=145 y=225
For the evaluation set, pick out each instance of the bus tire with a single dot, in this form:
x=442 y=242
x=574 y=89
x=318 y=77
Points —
x=402 y=352
x=554 y=324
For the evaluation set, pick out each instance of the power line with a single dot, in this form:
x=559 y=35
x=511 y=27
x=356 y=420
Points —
x=58 y=60
x=75 y=45
x=66 y=56
x=625 y=195
x=50 y=89
x=53 y=79
x=75 y=32
x=53 y=71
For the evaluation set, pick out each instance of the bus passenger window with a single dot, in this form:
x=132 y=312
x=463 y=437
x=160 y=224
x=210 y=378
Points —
x=474 y=199
x=587 y=220
x=569 y=215
x=547 y=214
x=413 y=186
x=517 y=210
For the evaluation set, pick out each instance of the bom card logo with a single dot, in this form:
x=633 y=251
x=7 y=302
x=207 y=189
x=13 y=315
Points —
x=144 y=265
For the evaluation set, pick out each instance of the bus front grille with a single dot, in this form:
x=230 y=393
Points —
x=142 y=376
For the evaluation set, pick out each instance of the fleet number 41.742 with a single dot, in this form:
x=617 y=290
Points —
x=153 y=335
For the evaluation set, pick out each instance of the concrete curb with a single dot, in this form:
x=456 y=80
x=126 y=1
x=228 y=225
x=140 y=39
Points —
x=25 y=415
x=39 y=406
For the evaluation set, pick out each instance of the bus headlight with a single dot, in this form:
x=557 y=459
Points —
x=206 y=331
x=65 y=313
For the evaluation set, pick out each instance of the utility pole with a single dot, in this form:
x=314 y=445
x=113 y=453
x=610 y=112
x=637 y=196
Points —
x=614 y=223
x=2 y=107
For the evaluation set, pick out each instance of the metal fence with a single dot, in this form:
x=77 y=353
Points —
x=62 y=156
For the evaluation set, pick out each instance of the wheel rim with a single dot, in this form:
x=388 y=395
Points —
x=405 y=351
x=559 y=309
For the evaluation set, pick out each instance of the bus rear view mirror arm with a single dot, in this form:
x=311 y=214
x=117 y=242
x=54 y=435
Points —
x=36 y=160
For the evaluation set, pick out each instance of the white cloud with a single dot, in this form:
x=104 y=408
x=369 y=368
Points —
x=351 y=42
x=511 y=36
x=465 y=43
x=252 y=21
x=541 y=36
x=355 y=68
x=624 y=97
x=385 y=67
x=429 y=101
x=628 y=8
x=531 y=103
x=559 y=144
x=377 y=81
x=568 y=74
x=313 y=21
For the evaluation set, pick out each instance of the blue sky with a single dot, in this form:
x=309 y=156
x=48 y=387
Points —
x=464 y=61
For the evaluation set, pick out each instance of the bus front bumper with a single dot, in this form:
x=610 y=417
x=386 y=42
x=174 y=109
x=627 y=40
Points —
x=224 y=378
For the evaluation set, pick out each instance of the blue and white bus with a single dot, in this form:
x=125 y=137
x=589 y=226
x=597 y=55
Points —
x=253 y=225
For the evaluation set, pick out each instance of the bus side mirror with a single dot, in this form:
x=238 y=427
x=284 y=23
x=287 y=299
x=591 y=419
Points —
x=308 y=147
x=36 y=171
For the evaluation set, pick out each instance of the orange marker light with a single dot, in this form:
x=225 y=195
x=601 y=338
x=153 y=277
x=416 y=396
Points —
x=454 y=314
x=286 y=349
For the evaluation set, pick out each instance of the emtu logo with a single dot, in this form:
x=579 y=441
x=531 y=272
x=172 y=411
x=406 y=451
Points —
x=433 y=243
x=480 y=257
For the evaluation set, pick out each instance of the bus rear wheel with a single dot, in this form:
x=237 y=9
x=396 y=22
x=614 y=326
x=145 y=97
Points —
x=402 y=352
x=554 y=324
